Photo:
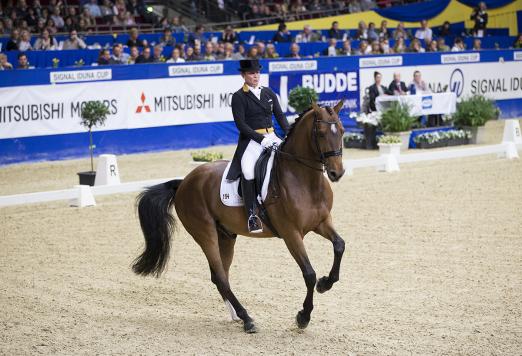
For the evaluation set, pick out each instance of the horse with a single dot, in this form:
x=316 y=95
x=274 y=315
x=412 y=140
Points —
x=299 y=200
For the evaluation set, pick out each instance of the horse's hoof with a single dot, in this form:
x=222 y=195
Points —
x=323 y=284
x=249 y=327
x=301 y=320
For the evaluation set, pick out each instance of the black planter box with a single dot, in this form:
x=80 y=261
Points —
x=354 y=144
x=87 y=178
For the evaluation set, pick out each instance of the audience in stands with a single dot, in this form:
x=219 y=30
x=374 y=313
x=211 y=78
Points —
x=308 y=35
x=458 y=45
x=294 y=51
x=397 y=87
x=335 y=32
x=175 y=57
x=23 y=62
x=229 y=35
x=282 y=34
x=518 y=42
x=424 y=33
x=45 y=42
x=4 y=64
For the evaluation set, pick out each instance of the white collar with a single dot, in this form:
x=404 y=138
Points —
x=255 y=89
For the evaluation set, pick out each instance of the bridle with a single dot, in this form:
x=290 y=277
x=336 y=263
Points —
x=315 y=138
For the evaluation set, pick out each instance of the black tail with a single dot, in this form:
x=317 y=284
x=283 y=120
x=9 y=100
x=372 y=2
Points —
x=157 y=223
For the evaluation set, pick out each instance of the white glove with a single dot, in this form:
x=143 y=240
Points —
x=277 y=141
x=267 y=142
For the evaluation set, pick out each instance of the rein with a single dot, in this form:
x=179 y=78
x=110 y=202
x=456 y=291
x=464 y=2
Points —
x=315 y=139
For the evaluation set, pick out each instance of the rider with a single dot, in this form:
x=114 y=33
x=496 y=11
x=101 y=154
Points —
x=252 y=108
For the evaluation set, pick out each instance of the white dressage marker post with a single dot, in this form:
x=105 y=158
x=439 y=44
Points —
x=107 y=172
x=84 y=197
x=511 y=138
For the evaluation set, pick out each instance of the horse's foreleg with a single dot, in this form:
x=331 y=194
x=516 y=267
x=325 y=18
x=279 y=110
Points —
x=326 y=230
x=297 y=249
x=226 y=251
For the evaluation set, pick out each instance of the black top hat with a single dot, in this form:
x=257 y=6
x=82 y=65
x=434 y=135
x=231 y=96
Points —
x=249 y=65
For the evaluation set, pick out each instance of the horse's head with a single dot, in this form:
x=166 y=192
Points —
x=327 y=136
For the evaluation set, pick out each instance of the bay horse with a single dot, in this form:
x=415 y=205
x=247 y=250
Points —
x=299 y=200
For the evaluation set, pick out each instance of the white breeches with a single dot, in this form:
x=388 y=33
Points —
x=252 y=153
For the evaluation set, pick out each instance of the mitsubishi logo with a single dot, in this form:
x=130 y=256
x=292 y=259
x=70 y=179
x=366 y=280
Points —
x=143 y=105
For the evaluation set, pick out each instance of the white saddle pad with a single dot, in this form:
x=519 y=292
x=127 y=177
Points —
x=228 y=190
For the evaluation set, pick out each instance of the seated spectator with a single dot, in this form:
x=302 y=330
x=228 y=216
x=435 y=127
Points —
x=294 y=51
x=252 y=53
x=219 y=50
x=418 y=86
x=518 y=42
x=432 y=46
x=331 y=50
x=134 y=40
x=385 y=46
x=260 y=49
x=197 y=56
x=383 y=31
x=346 y=50
x=167 y=40
x=12 y=44
x=362 y=31
x=104 y=58
x=400 y=46
x=106 y=10
x=445 y=30
x=45 y=42
x=376 y=48
x=129 y=19
x=334 y=31
x=93 y=8
x=158 y=54
x=375 y=90
x=89 y=20
x=24 y=44
x=197 y=36
x=189 y=55
x=228 y=51
x=477 y=44
x=120 y=19
x=145 y=56
x=23 y=62
x=69 y=25
x=118 y=56
x=176 y=26
x=367 y=5
x=480 y=16
x=416 y=47
x=31 y=18
x=119 y=7
x=308 y=35
x=282 y=34
x=363 y=48
x=270 y=52
x=458 y=45
x=83 y=27
x=209 y=52
x=372 y=32
x=397 y=87
x=134 y=53
x=401 y=32
x=441 y=45
x=51 y=27
x=4 y=64
x=240 y=54
x=57 y=18
x=354 y=7
x=229 y=35
x=175 y=57
x=74 y=42
x=424 y=33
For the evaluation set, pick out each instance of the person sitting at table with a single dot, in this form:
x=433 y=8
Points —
x=397 y=87
x=375 y=90
x=418 y=86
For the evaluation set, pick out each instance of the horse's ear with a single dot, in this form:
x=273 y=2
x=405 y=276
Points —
x=339 y=106
x=316 y=107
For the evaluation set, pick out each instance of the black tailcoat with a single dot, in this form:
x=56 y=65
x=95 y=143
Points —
x=251 y=114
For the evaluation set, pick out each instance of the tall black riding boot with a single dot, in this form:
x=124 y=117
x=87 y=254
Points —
x=248 y=188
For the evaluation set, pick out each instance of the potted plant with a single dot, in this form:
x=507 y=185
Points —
x=93 y=114
x=202 y=156
x=369 y=123
x=301 y=98
x=473 y=113
x=353 y=140
x=390 y=145
x=397 y=121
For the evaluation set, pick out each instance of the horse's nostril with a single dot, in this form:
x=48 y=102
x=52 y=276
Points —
x=333 y=174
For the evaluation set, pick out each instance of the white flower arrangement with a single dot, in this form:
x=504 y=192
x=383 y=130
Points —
x=373 y=118
x=437 y=136
x=354 y=136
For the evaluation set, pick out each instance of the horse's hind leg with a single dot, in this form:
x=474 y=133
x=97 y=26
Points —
x=226 y=251
x=210 y=245
x=327 y=230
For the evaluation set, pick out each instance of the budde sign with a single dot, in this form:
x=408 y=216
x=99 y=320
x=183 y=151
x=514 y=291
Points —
x=494 y=80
